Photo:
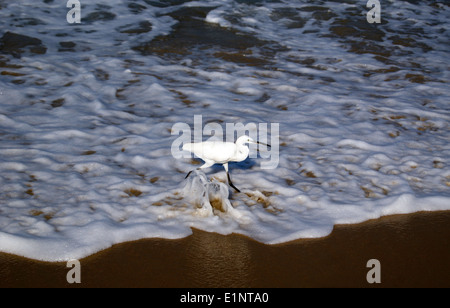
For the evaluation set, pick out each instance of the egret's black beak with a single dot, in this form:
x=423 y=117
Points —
x=267 y=145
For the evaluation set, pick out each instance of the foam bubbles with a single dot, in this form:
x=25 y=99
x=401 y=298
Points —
x=85 y=128
x=207 y=196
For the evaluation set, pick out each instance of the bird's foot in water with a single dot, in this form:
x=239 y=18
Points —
x=237 y=190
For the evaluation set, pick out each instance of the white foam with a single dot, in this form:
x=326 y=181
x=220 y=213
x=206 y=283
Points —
x=85 y=135
x=215 y=17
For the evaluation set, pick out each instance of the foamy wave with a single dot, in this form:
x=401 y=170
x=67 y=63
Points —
x=86 y=126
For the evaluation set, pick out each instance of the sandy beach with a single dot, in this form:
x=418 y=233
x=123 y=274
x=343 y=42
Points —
x=413 y=251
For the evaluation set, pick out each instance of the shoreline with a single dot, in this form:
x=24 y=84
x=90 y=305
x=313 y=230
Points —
x=413 y=251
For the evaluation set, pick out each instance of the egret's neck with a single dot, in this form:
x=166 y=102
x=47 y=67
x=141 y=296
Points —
x=241 y=152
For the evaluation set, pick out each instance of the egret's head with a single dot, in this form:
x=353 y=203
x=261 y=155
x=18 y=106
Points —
x=246 y=139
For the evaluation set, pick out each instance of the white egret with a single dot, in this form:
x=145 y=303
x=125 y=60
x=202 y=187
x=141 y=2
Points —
x=218 y=152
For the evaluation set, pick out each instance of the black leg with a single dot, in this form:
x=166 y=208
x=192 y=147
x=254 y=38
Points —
x=231 y=184
x=189 y=173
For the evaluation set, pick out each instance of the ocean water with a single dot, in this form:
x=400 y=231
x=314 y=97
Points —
x=87 y=112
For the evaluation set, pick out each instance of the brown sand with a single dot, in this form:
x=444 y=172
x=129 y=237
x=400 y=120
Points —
x=413 y=250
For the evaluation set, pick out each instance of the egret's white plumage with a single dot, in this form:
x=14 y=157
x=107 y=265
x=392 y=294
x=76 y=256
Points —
x=217 y=152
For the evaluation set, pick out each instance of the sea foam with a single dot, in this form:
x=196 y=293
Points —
x=86 y=128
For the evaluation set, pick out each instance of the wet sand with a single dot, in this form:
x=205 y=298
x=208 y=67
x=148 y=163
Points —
x=413 y=251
